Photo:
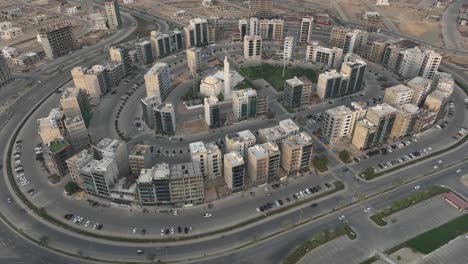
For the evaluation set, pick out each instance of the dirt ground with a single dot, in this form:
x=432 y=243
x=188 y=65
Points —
x=458 y=60
x=192 y=127
x=406 y=255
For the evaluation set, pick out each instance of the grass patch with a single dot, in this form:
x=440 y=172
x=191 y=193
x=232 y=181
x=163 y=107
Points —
x=54 y=178
x=368 y=173
x=409 y=201
x=344 y=156
x=274 y=74
x=244 y=85
x=317 y=240
x=320 y=163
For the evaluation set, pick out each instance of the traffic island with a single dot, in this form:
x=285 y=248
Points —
x=379 y=218
x=319 y=239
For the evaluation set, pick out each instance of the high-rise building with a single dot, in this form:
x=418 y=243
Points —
x=305 y=35
x=383 y=116
x=213 y=29
x=57 y=40
x=115 y=71
x=296 y=94
x=164 y=118
x=338 y=123
x=437 y=102
x=274 y=160
x=377 y=51
x=257 y=165
x=430 y=64
x=186 y=184
x=272 y=29
x=364 y=134
x=405 y=119
x=140 y=157
x=116 y=150
x=95 y=81
x=212 y=111
x=275 y=134
x=165 y=44
x=410 y=62
x=239 y=142
x=253 y=47
x=153 y=185
x=288 y=48
x=193 y=59
x=260 y=8
x=329 y=84
x=196 y=34
x=120 y=54
x=147 y=106
x=391 y=58
x=98 y=176
x=52 y=126
x=5 y=75
x=75 y=163
x=77 y=133
x=426 y=120
x=243 y=27
x=421 y=87
x=234 y=171
x=372 y=21
x=354 y=70
x=244 y=104
x=398 y=95
x=443 y=82
x=57 y=152
x=209 y=159
x=114 y=20
x=296 y=153
x=254 y=27
x=350 y=40
x=158 y=81
x=227 y=79
x=144 y=52
x=262 y=105
x=331 y=57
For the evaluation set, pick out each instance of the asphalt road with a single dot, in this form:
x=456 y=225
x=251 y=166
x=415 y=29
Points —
x=449 y=24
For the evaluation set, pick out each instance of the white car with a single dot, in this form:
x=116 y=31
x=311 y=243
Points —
x=207 y=215
x=175 y=212
x=341 y=217
x=417 y=187
x=439 y=161
x=162 y=232
x=458 y=171
x=436 y=167
x=368 y=209
x=87 y=223
x=172 y=230
x=134 y=230
x=258 y=210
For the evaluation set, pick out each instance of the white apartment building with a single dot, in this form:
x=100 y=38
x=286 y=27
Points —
x=411 y=61
x=253 y=47
x=398 y=95
x=244 y=104
x=331 y=57
x=305 y=35
x=288 y=48
x=116 y=150
x=430 y=64
x=158 y=81
x=212 y=111
x=338 y=123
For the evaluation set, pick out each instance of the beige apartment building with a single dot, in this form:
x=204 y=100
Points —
x=73 y=102
x=193 y=59
x=208 y=157
x=405 y=119
x=158 y=81
x=260 y=8
x=94 y=81
x=296 y=153
x=437 y=102
x=257 y=165
x=186 y=184
x=75 y=163
x=275 y=134
x=338 y=123
x=272 y=29
x=140 y=157
x=398 y=95
x=77 y=133
x=114 y=20
x=234 y=171
x=364 y=134
x=253 y=47
x=421 y=88
x=240 y=142
x=52 y=126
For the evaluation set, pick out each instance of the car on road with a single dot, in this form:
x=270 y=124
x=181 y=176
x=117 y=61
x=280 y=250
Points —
x=95 y=226
x=134 y=230
x=174 y=212
x=162 y=232
x=9 y=200
x=417 y=187
x=258 y=210
x=341 y=217
x=140 y=251
x=458 y=171
x=436 y=167
x=172 y=230
x=87 y=223
x=207 y=215
x=368 y=209
x=68 y=216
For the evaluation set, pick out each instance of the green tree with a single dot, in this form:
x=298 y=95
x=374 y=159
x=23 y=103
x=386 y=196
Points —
x=71 y=187
x=344 y=156
x=221 y=97
x=44 y=240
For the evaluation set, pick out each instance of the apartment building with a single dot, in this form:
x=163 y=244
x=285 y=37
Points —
x=410 y=62
x=244 y=104
x=120 y=54
x=57 y=40
x=350 y=40
x=260 y=8
x=158 y=81
x=52 y=126
x=74 y=102
x=430 y=64
x=98 y=176
x=153 y=185
x=116 y=150
x=274 y=160
x=405 y=119
x=234 y=171
x=437 y=102
x=239 y=142
x=305 y=34
x=77 y=133
x=296 y=93
x=5 y=74
x=186 y=184
x=57 y=152
x=164 y=118
x=443 y=82
x=377 y=51
x=364 y=134
x=383 y=116
x=147 y=107
x=213 y=29
x=296 y=153
x=288 y=48
x=144 y=53
x=372 y=21
x=193 y=59
x=75 y=163
x=275 y=134
x=257 y=165
x=272 y=29
x=114 y=19
x=95 y=81
x=421 y=87
x=398 y=95
x=208 y=157
x=212 y=111
x=253 y=47
x=196 y=34
x=140 y=157
x=165 y=44
x=338 y=123
x=330 y=57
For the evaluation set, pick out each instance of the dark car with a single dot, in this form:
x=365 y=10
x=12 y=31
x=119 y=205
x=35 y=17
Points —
x=167 y=231
x=68 y=216
x=179 y=229
x=280 y=202
x=99 y=227
x=313 y=205
x=186 y=230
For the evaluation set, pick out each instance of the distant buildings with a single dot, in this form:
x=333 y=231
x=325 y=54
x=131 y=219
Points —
x=331 y=57
x=114 y=19
x=165 y=44
x=260 y=8
x=57 y=40
x=372 y=21
x=196 y=34
x=288 y=48
x=272 y=29
x=349 y=40
x=158 y=81
x=253 y=47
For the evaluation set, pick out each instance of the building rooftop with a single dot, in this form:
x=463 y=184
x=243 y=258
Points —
x=54 y=27
x=339 y=110
x=197 y=147
x=271 y=148
x=198 y=20
x=185 y=170
x=300 y=139
x=409 y=108
x=156 y=67
x=294 y=82
x=367 y=124
x=70 y=92
x=211 y=100
x=419 y=81
x=109 y=145
x=382 y=109
x=245 y=92
x=102 y=164
x=164 y=107
x=400 y=88
x=212 y=147
x=157 y=172
x=81 y=158
x=288 y=126
x=369 y=14
x=57 y=145
x=234 y=158
x=439 y=95
x=258 y=152
x=241 y=136
x=331 y=74
x=140 y=150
